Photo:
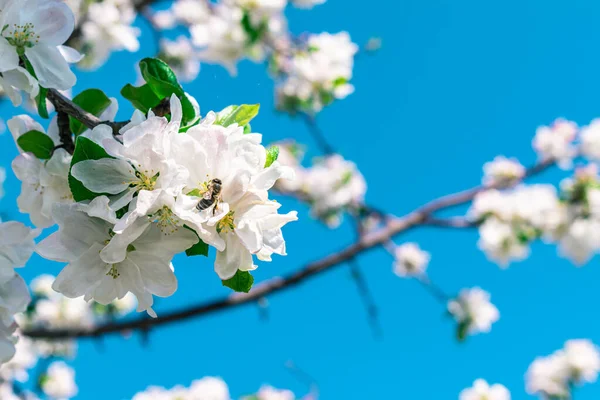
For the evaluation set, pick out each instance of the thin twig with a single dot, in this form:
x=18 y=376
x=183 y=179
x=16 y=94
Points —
x=368 y=242
x=317 y=134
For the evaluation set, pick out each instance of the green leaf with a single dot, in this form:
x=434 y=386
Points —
x=40 y=99
x=199 y=249
x=241 y=282
x=142 y=98
x=462 y=330
x=254 y=32
x=85 y=149
x=247 y=129
x=93 y=101
x=161 y=79
x=340 y=81
x=38 y=143
x=163 y=82
x=272 y=154
x=241 y=115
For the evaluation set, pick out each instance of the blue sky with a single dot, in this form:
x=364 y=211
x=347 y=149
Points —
x=456 y=83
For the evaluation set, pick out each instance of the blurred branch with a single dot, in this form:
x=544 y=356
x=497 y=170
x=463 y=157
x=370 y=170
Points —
x=369 y=241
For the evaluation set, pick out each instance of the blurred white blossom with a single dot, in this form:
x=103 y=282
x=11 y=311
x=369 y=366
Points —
x=410 y=260
x=481 y=390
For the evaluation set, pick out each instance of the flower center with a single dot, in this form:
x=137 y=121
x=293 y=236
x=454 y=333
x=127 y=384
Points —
x=113 y=272
x=166 y=220
x=146 y=180
x=226 y=224
x=21 y=36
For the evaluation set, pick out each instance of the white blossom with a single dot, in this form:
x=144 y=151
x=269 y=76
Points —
x=590 y=140
x=181 y=57
x=207 y=388
x=44 y=183
x=37 y=29
x=500 y=243
x=581 y=240
x=59 y=381
x=319 y=74
x=108 y=28
x=244 y=221
x=25 y=358
x=307 y=3
x=222 y=38
x=332 y=185
x=16 y=80
x=481 y=390
x=502 y=169
x=104 y=266
x=583 y=359
x=473 y=308
x=554 y=375
x=191 y=12
x=267 y=392
x=410 y=260
x=556 y=142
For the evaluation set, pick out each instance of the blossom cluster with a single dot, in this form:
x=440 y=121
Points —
x=158 y=185
x=316 y=74
x=554 y=376
x=210 y=388
x=311 y=70
x=331 y=186
x=509 y=220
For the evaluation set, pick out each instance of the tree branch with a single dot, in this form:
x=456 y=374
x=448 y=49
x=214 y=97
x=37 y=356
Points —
x=63 y=105
x=367 y=242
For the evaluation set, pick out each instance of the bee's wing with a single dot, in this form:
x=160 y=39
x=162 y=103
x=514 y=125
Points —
x=207 y=195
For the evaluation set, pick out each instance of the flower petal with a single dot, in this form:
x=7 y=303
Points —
x=82 y=274
x=53 y=22
x=9 y=59
x=106 y=175
x=52 y=70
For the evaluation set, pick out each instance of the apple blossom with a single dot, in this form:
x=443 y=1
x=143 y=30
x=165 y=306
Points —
x=44 y=182
x=481 y=390
x=473 y=311
x=37 y=29
x=502 y=169
x=104 y=266
x=556 y=142
x=59 y=381
x=410 y=260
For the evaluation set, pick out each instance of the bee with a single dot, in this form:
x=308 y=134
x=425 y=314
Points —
x=211 y=196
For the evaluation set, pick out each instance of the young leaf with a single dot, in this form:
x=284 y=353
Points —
x=161 y=79
x=93 y=101
x=272 y=154
x=199 y=249
x=241 y=115
x=40 y=99
x=163 y=82
x=242 y=281
x=85 y=149
x=38 y=143
x=142 y=97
